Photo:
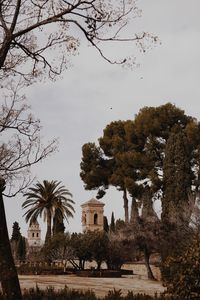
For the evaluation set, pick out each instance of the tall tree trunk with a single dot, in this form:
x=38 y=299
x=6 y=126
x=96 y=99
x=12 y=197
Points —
x=8 y=273
x=48 y=234
x=147 y=264
x=125 y=206
x=134 y=220
x=99 y=265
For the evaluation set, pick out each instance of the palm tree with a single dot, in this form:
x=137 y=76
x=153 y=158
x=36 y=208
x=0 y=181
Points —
x=46 y=198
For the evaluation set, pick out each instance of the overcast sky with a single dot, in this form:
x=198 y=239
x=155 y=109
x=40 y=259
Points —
x=77 y=107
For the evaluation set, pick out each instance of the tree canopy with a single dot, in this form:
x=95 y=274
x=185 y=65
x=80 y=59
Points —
x=184 y=280
x=15 y=232
x=49 y=199
x=136 y=152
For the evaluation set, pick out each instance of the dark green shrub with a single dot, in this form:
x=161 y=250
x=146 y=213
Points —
x=64 y=294
x=131 y=296
x=70 y=294
x=115 y=294
x=184 y=273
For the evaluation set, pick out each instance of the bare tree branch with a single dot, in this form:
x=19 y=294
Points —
x=21 y=147
x=26 y=33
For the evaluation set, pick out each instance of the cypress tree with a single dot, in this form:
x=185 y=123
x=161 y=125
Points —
x=112 y=223
x=105 y=224
x=58 y=224
x=21 y=248
x=16 y=232
x=18 y=243
x=177 y=179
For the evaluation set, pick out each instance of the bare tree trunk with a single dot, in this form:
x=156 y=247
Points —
x=126 y=206
x=74 y=264
x=146 y=258
x=134 y=220
x=4 y=50
x=8 y=273
x=82 y=264
x=99 y=265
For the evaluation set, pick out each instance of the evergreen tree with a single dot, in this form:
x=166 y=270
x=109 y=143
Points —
x=115 y=162
x=95 y=170
x=16 y=234
x=112 y=223
x=105 y=224
x=184 y=279
x=119 y=224
x=177 y=179
x=176 y=207
x=18 y=243
x=117 y=141
x=21 y=248
x=58 y=224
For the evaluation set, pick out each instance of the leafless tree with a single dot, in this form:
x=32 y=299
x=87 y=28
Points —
x=29 y=29
x=20 y=148
x=20 y=145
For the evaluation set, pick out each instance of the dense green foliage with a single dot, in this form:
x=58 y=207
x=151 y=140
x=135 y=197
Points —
x=15 y=232
x=21 y=248
x=177 y=179
x=112 y=223
x=80 y=248
x=114 y=162
x=94 y=169
x=58 y=224
x=18 y=243
x=184 y=272
x=155 y=156
x=130 y=154
x=48 y=199
x=105 y=224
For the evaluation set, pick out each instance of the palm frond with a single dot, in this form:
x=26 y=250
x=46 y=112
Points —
x=47 y=197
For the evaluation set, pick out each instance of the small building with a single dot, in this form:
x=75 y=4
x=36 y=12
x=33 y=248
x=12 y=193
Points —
x=92 y=215
x=33 y=241
x=34 y=234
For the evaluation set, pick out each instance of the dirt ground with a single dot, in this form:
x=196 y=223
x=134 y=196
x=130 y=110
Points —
x=138 y=283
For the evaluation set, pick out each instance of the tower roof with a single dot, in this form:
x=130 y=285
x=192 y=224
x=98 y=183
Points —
x=93 y=202
x=33 y=222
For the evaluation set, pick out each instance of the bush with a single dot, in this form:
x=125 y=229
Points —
x=26 y=269
x=69 y=294
x=184 y=274
x=51 y=294
x=114 y=295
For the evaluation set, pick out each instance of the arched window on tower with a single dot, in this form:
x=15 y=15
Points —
x=95 y=219
x=33 y=234
x=37 y=234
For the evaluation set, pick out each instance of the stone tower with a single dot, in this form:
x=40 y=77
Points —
x=34 y=234
x=92 y=215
